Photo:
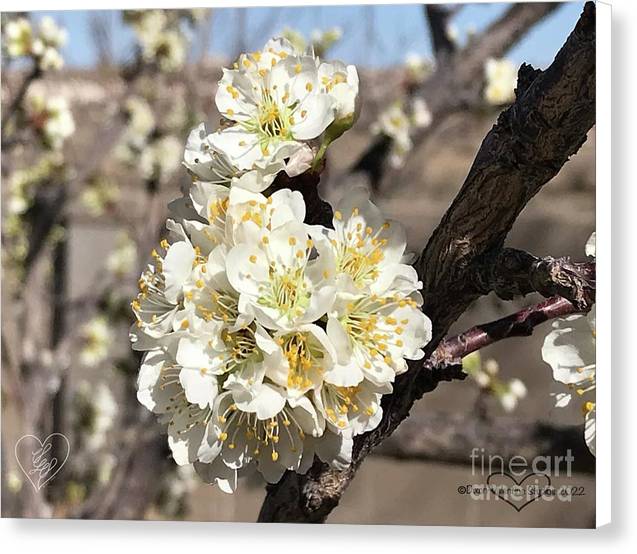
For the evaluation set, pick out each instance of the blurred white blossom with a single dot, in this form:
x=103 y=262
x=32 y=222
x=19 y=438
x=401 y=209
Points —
x=43 y=45
x=319 y=43
x=99 y=195
x=160 y=36
x=97 y=409
x=18 y=37
x=122 y=259
x=14 y=481
x=160 y=158
x=420 y=114
x=51 y=117
x=485 y=374
x=501 y=80
x=395 y=124
x=141 y=120
x=97 y=338
x=106 y=465
x=105 y=410
x=417 y=67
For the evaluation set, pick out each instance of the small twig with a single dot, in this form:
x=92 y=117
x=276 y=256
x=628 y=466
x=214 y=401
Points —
x=520 y=324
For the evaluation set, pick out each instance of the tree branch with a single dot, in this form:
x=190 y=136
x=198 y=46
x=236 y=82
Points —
x=438 y=20
x=520 y=324
x=510 y=273
x=531 y=141
x=16 y=103
x=450 y=438
x=457 y=84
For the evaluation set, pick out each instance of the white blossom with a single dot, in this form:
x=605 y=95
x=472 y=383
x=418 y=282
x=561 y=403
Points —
x=420 y=114
x=51 y=34
x=209 y=164
x=100 y=195
x=52 y=118
x=141 y=120
x=485 y=374
x=275 y=109
x=354 y=409
x=160 y=38
x=160 y=158
x=104 y=411
x=367 y=249
x=570 y=351
x=43 y=45
x=417 y=67
x=18 y=37
x=278 y=281
x=395 y=124
x=97 y=340
x=121 y=260
x=501 y=80
x=268 y=341
x=512 y=394
x=340 y=82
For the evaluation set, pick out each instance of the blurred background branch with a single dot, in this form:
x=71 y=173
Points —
x=445 y=438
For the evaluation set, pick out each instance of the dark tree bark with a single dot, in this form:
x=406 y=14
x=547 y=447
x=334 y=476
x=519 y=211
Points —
x=512 y=273
x=532 y=140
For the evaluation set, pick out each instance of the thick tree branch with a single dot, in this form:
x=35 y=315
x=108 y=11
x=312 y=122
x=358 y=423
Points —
x=450 y=438
x=510 y=273
x=530 y=143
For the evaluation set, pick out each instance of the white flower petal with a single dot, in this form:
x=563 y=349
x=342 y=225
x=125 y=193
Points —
x=177 y=267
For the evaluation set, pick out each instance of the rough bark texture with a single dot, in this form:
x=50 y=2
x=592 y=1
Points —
x=450 y=438
x=530 y=143
x=514 y=273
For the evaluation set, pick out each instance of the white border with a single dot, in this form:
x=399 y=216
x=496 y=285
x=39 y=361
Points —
x=603 y=256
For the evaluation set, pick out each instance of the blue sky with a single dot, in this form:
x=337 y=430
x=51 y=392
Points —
x=397 y=29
